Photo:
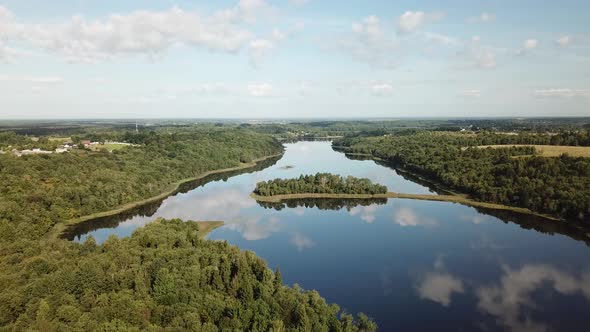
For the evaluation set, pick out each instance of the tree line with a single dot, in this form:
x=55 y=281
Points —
x=319 y=183
x=558 y=186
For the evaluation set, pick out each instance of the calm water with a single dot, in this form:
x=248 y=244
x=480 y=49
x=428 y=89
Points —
x=411 y=265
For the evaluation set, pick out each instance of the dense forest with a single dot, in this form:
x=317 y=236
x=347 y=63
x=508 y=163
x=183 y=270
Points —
x=39 y=191
x=320 y=183
x=558 y=186
x=162 y=277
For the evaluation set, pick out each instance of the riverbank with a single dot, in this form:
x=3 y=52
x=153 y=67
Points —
x=60 y=228
x=424 y=197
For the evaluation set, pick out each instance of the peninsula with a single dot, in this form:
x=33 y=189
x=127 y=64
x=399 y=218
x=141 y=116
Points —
x=331 y=186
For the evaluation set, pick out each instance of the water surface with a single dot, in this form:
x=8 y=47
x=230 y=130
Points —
x=411 y=265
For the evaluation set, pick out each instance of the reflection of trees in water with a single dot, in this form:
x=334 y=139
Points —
x=149 y=209
x=572 y=229
x=323 y=203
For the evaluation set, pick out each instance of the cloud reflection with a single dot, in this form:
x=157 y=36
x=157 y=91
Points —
x=253 y=228
x=404 y=216
x=438 y=285
x=510 y=301
x=367 y=213
x=217 y=204
x=301 y=241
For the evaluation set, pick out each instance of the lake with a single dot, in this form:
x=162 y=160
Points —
x=410 y=265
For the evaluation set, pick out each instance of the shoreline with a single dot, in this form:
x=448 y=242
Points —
x=60 y=228
x=424 y=197
x=455 y=197
x=206 y=227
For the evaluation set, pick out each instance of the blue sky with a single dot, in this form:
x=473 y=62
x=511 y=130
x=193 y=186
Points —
x=293 y=58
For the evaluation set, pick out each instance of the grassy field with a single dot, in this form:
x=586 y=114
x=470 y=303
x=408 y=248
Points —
x=550 y=150
x=207 y=226
x=109 y=146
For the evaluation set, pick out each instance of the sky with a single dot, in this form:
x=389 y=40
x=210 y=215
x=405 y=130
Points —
x=294 y=58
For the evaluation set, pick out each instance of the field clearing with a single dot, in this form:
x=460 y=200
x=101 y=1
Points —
x=549 y=150
x=109 y=146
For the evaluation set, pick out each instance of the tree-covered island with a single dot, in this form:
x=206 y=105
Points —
x=319 y=183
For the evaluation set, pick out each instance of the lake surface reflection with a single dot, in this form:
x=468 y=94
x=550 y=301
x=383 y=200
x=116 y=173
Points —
x=411 y=265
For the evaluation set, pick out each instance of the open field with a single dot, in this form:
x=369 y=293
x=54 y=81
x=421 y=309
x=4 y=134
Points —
x=549 y=150
x=108 y=146
x=204 y=226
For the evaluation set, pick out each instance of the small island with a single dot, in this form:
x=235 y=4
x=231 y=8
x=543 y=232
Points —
x=324 y=185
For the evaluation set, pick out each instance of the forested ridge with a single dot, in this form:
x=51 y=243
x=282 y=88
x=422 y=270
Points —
x=163 y=277
x=558 y=186
x=319 y=183
x=39 y=191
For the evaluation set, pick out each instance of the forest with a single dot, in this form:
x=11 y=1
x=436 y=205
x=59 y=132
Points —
x=39 y=191
x=512 y=176
x=319 y=183
x=163 y=277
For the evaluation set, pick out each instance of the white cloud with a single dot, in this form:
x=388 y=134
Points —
x=565 y=41
x=562 y=93
x=483 y=18
x=476 y=55
x=209 y=88
x=470 y=93
x=33 y=79
x=511 y=300
x=411 y=21
x=278 y=35
x=260 y=90
x=141 y=32
x=259 y=49
x=369 y=43
x=150 y=99
x=383 y=89
x=301 y=241
x=441 y=39
x=530 y=44
x=299 y=2
x=247 y=11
